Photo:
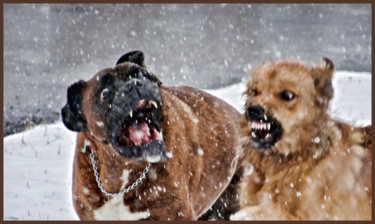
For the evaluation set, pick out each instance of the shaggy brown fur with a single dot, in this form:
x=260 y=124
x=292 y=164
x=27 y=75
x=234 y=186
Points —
x=319 y=168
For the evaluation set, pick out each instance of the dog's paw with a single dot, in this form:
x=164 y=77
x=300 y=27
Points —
x=267 y=211
x=243 y=214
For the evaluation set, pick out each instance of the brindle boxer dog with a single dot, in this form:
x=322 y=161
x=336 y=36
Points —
x=147 y=151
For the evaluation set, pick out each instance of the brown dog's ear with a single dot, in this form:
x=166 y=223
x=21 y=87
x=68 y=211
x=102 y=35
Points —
x=71 y=113
x=322 y=75
x=136 y=57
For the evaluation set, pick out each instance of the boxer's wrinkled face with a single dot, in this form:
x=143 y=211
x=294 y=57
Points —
x=121 y=107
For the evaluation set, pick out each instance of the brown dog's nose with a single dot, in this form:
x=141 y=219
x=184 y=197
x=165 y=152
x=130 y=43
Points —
x=255 y=112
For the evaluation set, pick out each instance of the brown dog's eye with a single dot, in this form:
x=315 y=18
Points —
x=254 y=92
x=287 y=95
x=104 y=95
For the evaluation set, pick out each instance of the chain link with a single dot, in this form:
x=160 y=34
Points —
x=126 y=190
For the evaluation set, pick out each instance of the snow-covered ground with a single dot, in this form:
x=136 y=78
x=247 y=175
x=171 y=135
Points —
x=38 y=162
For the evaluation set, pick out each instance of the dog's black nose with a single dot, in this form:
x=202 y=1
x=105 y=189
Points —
x=255 y=112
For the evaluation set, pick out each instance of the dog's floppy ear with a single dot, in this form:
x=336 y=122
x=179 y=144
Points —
x=136 y=57
x=322 y=75
x=71 y=113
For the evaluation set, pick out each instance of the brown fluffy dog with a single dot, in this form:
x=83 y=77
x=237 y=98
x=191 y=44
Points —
x=299 y=163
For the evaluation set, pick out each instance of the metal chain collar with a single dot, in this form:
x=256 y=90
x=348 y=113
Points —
x=126 y=190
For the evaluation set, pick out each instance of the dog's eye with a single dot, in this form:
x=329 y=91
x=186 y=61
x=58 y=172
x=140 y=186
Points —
x=254 y=92
x=287 y=95
x=104 y=95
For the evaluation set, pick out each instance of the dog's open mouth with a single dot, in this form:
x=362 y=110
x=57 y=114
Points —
x=140 y=126
x=140 y=136
x=265 y=132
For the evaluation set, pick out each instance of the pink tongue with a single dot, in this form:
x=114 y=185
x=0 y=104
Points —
x=139 y=134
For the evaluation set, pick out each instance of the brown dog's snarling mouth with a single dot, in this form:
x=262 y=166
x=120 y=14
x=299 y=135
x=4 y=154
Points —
x=265 y=131
x=264 y=134
x=140 y=135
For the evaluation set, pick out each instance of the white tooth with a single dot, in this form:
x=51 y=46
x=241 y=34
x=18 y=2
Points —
x=253 y=135
x=268 y=135
x=269 y=126
x=155 y=105
x=131 y=113
x=265 y=117
x=160 y=136
x=157 y=135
